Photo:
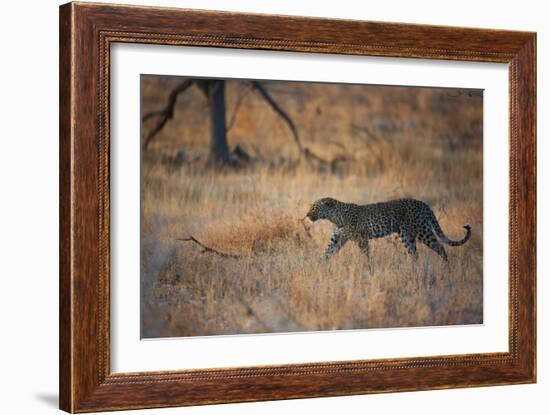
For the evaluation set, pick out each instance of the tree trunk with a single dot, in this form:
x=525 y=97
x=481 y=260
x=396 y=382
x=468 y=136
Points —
x=219 y=150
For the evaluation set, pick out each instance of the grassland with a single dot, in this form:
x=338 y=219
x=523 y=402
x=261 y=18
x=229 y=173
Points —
x=391 y=142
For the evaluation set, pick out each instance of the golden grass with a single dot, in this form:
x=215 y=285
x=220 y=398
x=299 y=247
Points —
x=433 y=152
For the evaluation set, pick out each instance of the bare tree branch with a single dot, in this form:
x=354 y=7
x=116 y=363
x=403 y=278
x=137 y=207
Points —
x=203 y=86
x=265 y=95
x=166 y=113
x=238 y=104
x=206 y=248
x=304 y=151
x=337 y=144
x=311 y=155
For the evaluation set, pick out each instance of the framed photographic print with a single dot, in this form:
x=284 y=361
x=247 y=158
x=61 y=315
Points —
x=260 y=207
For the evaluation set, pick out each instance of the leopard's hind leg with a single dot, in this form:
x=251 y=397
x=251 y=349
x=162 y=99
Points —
x=409 y=242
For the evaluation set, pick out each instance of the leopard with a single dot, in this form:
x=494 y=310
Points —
x=410 y=219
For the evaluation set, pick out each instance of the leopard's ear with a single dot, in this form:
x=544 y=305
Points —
x=330 y=202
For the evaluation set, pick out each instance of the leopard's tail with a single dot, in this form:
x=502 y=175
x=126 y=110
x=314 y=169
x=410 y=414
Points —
x=443 y=237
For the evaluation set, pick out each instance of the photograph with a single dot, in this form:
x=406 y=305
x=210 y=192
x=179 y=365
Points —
x=273 y=206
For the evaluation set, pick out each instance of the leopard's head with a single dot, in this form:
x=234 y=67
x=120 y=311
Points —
x=322 y=209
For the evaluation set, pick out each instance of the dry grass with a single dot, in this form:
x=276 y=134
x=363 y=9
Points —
x=422 y=143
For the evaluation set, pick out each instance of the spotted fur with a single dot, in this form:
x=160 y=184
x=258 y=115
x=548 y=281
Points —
x=411 y=219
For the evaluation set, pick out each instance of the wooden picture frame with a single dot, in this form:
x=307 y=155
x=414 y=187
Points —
x=86 y=33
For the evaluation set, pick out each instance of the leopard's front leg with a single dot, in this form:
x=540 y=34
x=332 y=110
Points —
x=337 y=241
x=363 y=243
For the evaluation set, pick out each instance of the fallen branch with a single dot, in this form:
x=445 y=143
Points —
x=206 y=248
